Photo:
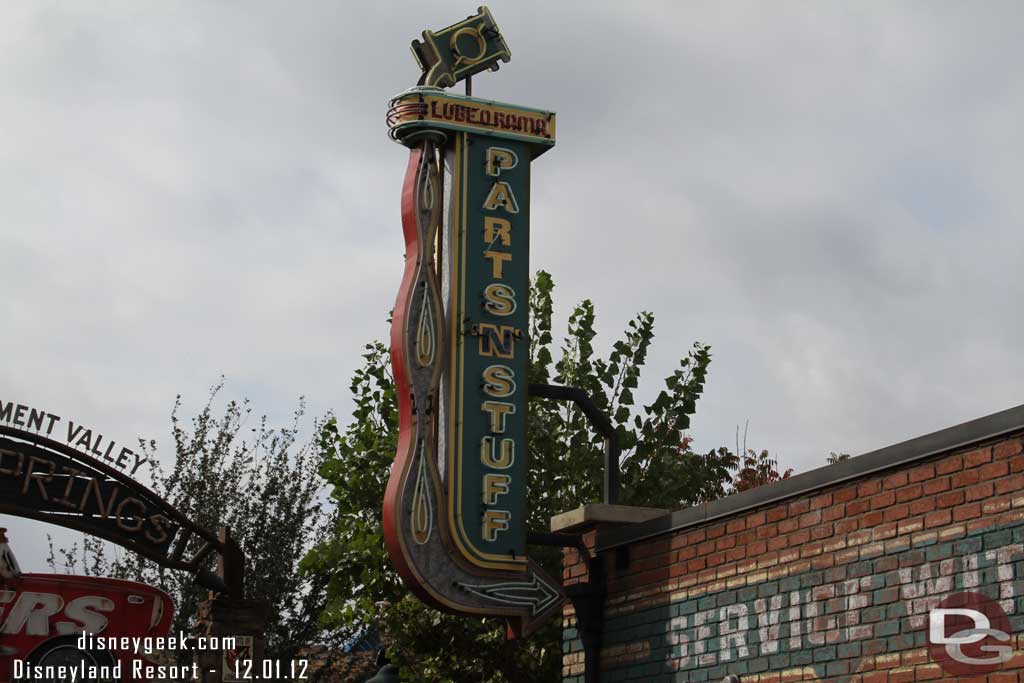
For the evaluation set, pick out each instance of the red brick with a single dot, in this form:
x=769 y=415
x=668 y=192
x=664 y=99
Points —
x=966 y=478
x=887 y=661
x=1010 y=484
x=908 y=493
x=883 y=500
x=856 y=507
x=911 y=657
x=755 y=520
x=776 y=513
x=949 y=465
x=921 y=473
x=848 y=555
x=871 y=519
x=798 y=507
x=735 y=526
x=919 y=507
x=810 y=519
x=748 y=536
x=768 y=531
x=949 y=499
x=929 y=672
x=844 y=495
x=1007 y=449
x=869 y=488
x=980 y=491
x=736 y=554
x=833 y=513
x=859 y=536
x=911 y=525
x=823 y=562
x=686 y=553
x=933 y=486
x=937 y=518
x=845 y=526
x=716 y=531
x=757 y=548
x=788 y=525
x=894 y=481
x=995 y=506
x=818 y=502
x=976 y=524
x=883 y=531
x=810 y=549
x=969 y=511
x=994 y=470
x=799 y=538
x=1002 y=678
x=821 y=531
x=896 y=513
x=978 y=457
x=726 y=542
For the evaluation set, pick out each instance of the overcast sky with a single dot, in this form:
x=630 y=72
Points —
x=827 y=193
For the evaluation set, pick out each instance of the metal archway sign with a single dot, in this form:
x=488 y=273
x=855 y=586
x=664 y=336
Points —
x=46 y=480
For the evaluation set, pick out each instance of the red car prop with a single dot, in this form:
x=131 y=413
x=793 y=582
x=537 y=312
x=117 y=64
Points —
x=43 y=617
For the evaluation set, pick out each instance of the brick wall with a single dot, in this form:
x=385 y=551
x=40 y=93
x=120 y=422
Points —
x=831 y=585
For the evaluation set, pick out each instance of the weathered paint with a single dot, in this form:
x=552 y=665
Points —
x=834 y=585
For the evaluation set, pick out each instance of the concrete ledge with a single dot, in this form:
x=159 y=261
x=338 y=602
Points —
x=602 y=514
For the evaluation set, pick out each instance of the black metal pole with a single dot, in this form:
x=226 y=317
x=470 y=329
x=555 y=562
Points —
x=601 y=422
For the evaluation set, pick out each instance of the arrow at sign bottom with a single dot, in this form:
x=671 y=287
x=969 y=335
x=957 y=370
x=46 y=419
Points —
x=536 y=593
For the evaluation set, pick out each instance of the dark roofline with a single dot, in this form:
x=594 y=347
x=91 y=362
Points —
x=929 y=445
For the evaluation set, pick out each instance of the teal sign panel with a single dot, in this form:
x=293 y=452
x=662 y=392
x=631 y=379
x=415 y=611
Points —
x=489 y=235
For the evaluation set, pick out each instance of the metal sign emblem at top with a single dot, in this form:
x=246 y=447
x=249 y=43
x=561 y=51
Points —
x=468 y=47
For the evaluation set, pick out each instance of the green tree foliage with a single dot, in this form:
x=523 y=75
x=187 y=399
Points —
x=262 y=484
x=834 y=457
x=658 y=468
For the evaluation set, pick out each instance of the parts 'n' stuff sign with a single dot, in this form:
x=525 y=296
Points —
x=455 y=509
x=912 y=573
